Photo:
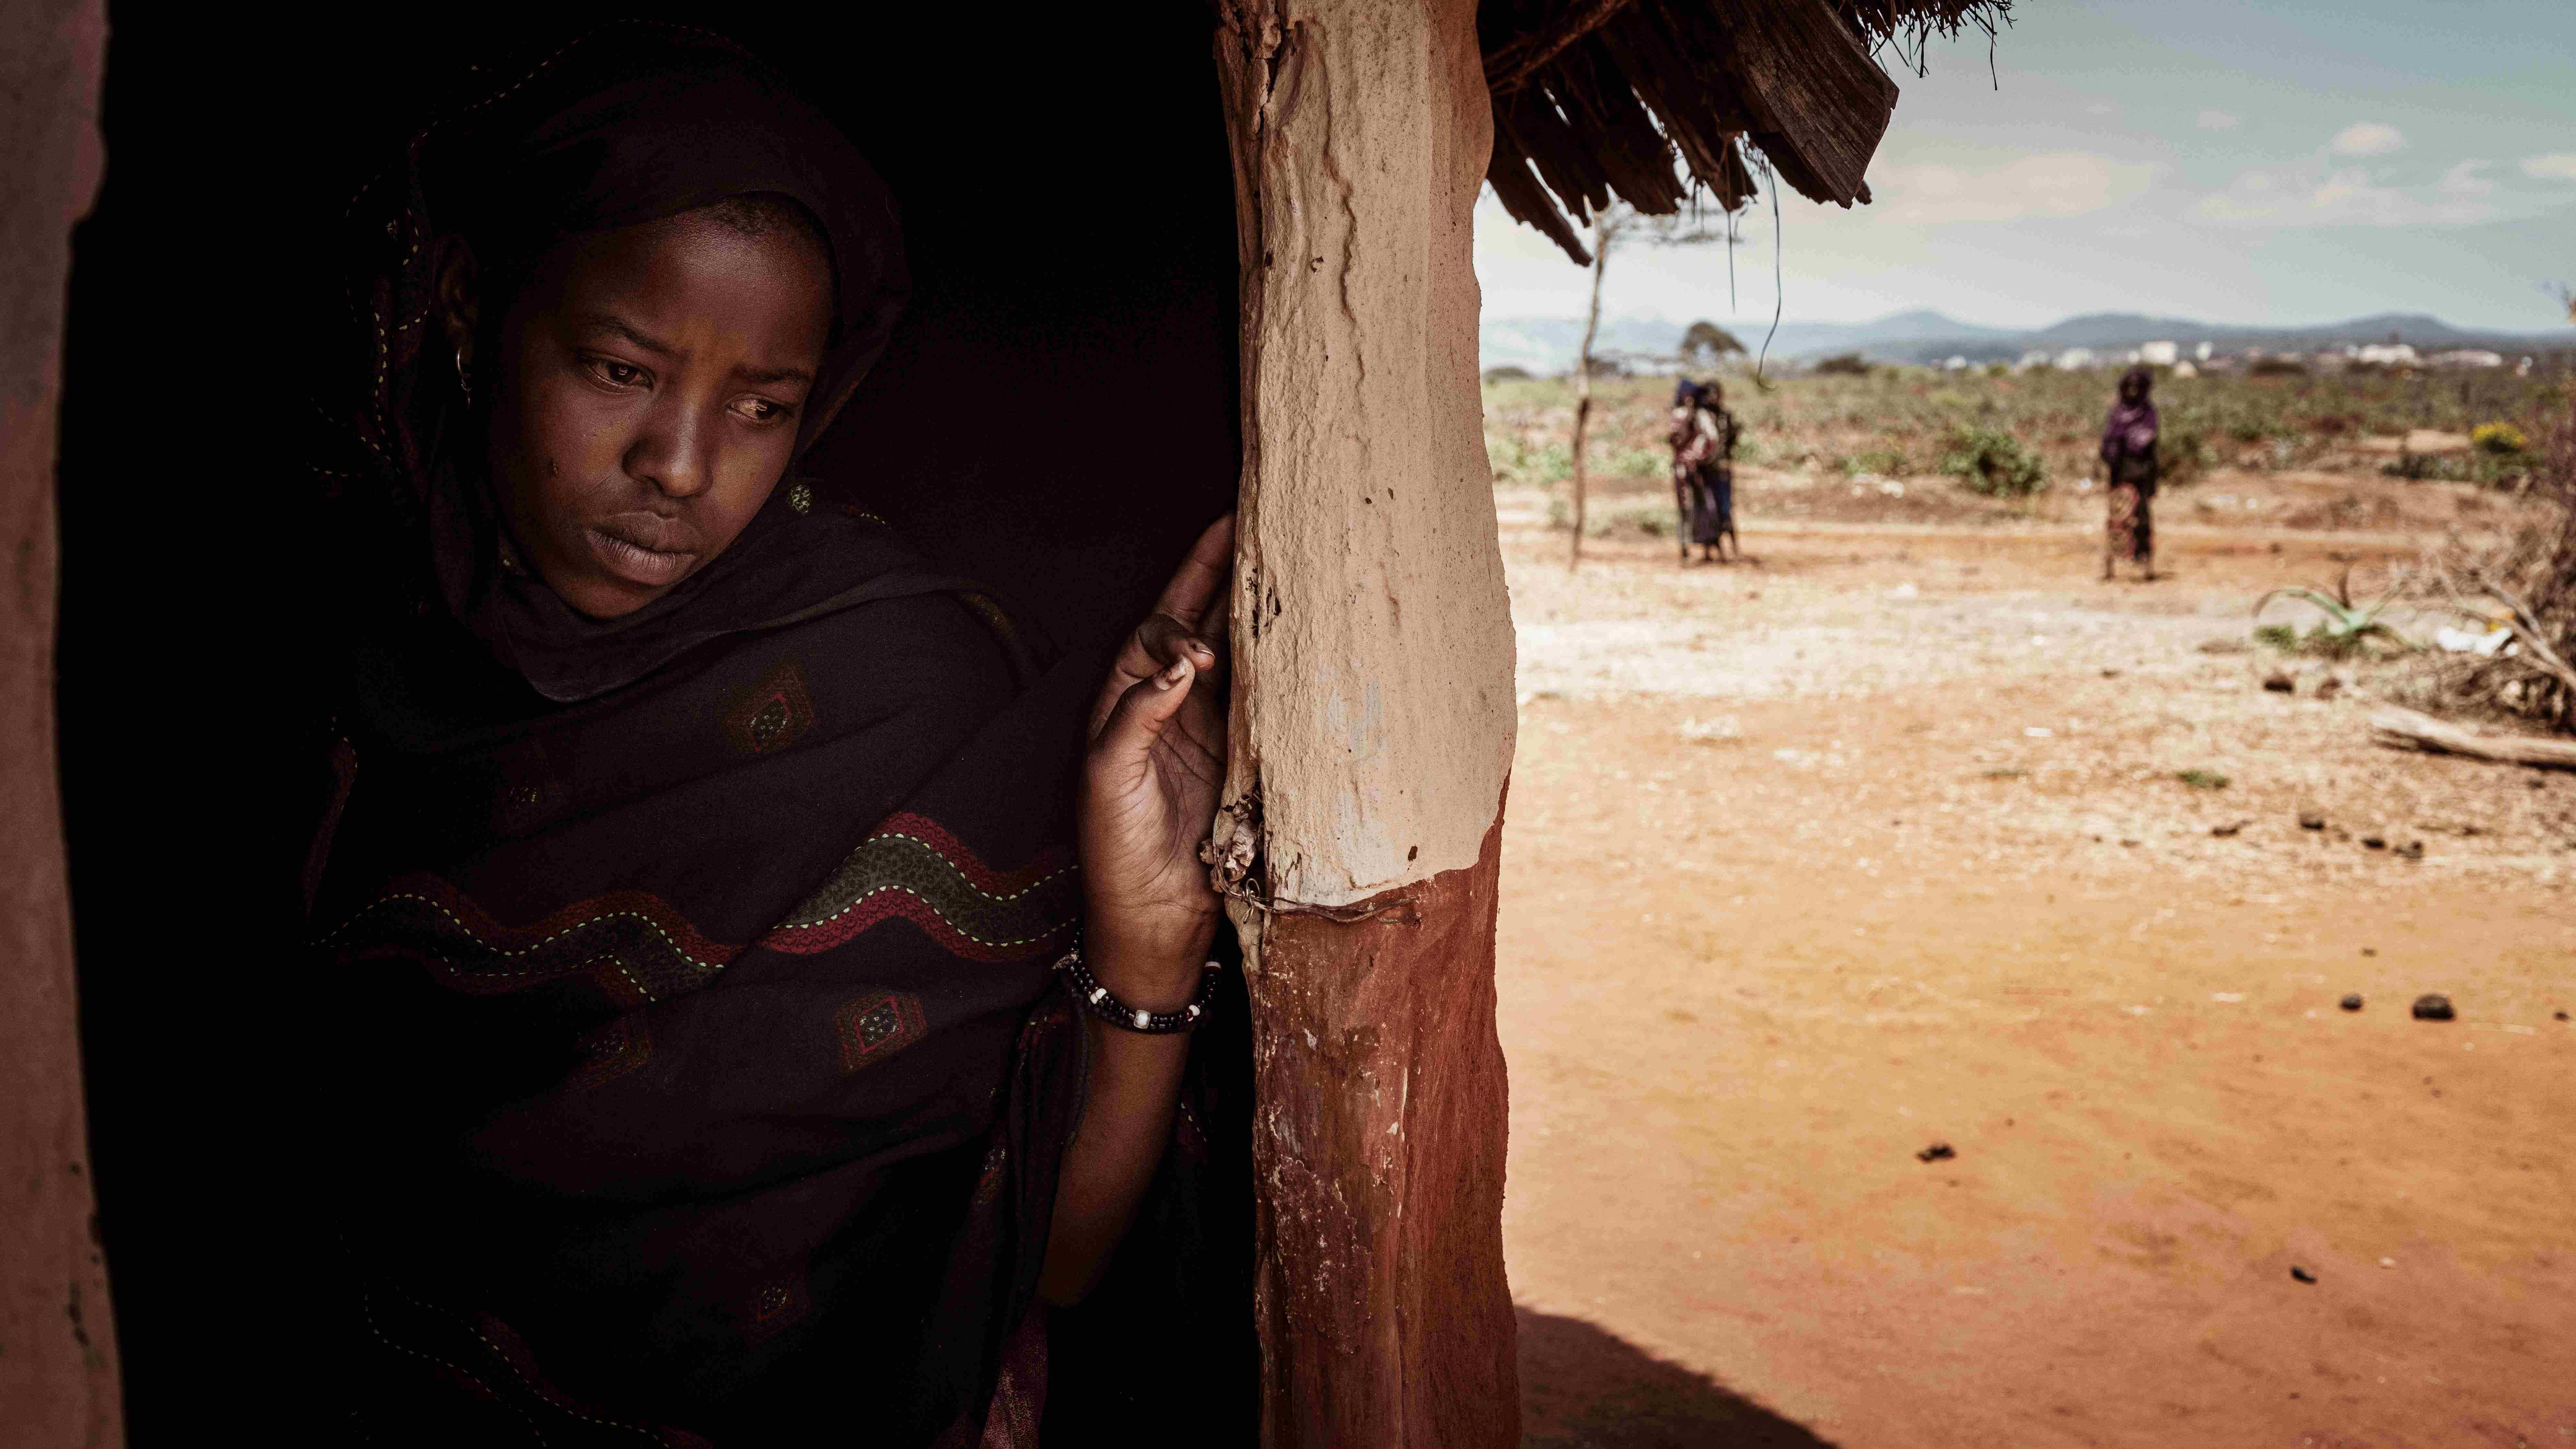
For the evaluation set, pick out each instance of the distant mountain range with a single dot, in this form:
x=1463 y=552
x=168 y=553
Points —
x=1548 y=345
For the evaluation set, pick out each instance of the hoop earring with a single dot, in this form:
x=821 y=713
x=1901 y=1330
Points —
x=464 y=384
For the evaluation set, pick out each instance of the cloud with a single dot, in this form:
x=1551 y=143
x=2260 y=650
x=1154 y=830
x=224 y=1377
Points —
x=2559 y=167
x=2464 y=180
x=2367 y=138
x=2217 y=121
x=2351 y=196
x=2062 y=183
x=2100 y=108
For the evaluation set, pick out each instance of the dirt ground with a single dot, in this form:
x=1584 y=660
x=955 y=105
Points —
x=1878 y=841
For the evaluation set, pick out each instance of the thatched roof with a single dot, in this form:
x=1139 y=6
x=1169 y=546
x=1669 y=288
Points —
x=1646 y=100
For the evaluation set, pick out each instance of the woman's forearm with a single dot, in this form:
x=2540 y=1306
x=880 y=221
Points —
x=1134 y=1089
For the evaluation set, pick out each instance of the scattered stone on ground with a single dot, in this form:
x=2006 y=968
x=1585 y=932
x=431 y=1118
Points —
x=2351 y=1001
x=2433 y=1006
x=2280 y=682
x=1975 y=963
x=1937 y=1152
x=2311 y=820
x=2302 y=1274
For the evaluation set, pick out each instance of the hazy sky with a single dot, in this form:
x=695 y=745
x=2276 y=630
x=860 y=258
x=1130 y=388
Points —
x=2275 y=161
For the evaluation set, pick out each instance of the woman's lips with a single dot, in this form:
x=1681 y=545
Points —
x=644 y=548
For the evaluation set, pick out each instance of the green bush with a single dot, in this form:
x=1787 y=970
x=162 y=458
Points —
x=1848 y=364
x=2182 y=454
x=1992 y=462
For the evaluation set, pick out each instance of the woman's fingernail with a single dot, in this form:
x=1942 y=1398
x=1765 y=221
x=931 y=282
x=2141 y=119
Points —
x=1179 y=671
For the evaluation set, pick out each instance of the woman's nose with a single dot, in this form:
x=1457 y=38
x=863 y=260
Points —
x=671 y=452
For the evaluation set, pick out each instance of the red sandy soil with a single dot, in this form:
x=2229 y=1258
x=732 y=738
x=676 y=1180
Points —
x=1877 y=842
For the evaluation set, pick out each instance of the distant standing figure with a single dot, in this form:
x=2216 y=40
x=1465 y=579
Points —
x=2129 y=455
x=1703 y=438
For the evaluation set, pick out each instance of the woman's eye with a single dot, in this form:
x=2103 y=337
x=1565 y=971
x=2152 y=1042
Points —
x=758 y=410
x=616 y=373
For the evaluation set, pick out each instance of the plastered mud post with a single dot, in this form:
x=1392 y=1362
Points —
x=58 y=1382
x=1374 y=724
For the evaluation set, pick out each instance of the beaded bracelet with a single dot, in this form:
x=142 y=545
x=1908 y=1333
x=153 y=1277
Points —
x=1119 y=1014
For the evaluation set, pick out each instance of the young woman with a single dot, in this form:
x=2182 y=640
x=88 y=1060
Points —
x=2129 y=463
x=703 y=865
x=1703 y=440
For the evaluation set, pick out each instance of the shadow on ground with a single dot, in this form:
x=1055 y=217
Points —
x=1583 y=1387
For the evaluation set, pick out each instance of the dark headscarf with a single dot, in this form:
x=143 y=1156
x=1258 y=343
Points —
x=634 y=123
x=1685 y=393
x=2130 y=429
x=629 y=124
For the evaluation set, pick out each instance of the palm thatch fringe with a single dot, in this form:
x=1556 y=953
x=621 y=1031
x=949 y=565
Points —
x=1596 y=100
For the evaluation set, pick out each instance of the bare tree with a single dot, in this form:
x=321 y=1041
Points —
x=1615 y=226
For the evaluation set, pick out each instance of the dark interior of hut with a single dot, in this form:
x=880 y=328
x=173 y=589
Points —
x=1057 y=417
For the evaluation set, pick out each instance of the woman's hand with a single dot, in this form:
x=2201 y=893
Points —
x=1149 y=788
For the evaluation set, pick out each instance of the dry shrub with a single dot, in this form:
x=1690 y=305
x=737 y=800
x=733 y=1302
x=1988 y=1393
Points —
x=2525 y=581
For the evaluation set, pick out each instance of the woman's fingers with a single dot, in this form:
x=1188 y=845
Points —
x=1186 y=624
x=1201 y=576
x=1162 y=641
x=1142 y=713
x=1166 y=641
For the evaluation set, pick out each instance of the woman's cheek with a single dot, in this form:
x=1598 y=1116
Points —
x=579 y=433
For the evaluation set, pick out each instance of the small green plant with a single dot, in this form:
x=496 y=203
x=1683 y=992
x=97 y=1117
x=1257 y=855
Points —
x=2202 y=779
x=2427 y=467
x=1887 y=462
x=1640 y=463
x=1515 y=461
x=1992 y=462
x=2498 y=439
x=2347 y=628
x=1652 y=517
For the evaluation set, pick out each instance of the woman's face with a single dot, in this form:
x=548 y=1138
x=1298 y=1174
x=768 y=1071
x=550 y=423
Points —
x=647 y=396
